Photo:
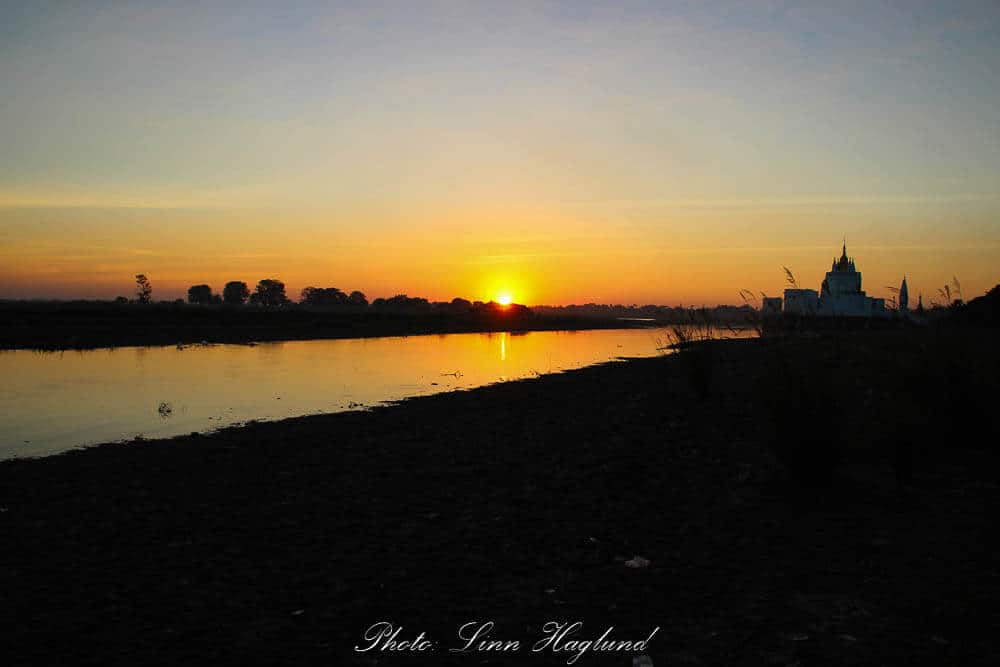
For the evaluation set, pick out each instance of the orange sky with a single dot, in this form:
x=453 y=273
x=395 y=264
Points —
x=665 y=254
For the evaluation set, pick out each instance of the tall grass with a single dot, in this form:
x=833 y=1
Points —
x=757 y=317
x=691 y=341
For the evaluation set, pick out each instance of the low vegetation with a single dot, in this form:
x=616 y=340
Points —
x=839 y=394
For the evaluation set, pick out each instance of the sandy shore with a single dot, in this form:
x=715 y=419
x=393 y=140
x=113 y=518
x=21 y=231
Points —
x=517 y=503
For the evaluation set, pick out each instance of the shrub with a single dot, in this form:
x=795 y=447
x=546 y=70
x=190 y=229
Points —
x=692 y=344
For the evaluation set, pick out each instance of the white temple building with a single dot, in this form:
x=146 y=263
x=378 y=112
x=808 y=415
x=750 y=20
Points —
x=840 y=294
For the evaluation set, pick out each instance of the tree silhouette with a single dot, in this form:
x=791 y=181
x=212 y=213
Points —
x=200 y=294
x=143 y=288
x=357 y=299
x=269 y=292
x=322 y=296
x=402 y=303
x=235 y=292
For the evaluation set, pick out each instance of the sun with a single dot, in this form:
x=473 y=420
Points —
x=505 y=299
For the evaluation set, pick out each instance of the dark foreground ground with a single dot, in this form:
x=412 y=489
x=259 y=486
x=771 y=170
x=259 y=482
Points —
x=91 y=324
x=519 y=504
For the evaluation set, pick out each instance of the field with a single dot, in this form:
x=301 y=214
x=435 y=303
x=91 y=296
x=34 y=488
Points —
x=816 y=500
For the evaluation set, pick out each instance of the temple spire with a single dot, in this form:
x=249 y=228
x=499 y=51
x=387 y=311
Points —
x=844 y=263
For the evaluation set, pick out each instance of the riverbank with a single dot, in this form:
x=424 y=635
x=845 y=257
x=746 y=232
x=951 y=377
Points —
x=518 y=503
x=90 y=325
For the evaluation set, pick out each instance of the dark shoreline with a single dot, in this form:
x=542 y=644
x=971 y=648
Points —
x=86 y=325
x=517 y=503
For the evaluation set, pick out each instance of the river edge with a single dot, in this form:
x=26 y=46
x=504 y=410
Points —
x=517 y=503
x=90 y=326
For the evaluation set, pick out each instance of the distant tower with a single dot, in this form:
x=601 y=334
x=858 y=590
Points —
x=904 y=297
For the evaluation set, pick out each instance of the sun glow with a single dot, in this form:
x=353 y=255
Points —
x=505 y=299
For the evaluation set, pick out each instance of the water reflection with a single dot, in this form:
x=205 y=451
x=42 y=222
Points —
x=52 y=402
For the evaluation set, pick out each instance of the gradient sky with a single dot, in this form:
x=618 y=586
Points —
x=632 y=152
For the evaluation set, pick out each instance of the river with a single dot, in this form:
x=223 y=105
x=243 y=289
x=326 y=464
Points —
x=55 y=401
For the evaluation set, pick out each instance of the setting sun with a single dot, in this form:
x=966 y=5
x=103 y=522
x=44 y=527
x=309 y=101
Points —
x=504 y=299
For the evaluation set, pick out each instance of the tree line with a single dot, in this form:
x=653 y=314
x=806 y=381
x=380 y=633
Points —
x=270 y=292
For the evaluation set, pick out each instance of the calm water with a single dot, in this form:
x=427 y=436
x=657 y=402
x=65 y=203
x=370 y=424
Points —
x=57 y=401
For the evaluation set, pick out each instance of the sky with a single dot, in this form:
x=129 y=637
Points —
x=564 y=152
